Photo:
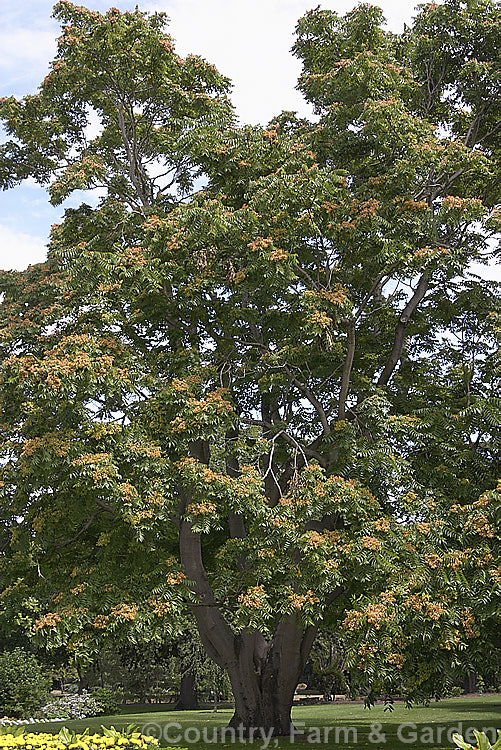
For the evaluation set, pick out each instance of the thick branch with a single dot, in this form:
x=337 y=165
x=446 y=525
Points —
x=84 y=528
x=348 y=364
x=315 y=403
x=133 y=163
x=105 y=506
x=311 y=631
x=216 y=634
x=401 y=328
x=236 y=522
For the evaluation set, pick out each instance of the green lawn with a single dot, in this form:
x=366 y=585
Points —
x=348 y=725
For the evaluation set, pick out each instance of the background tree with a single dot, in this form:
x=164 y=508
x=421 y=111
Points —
x=326 y=665
x=288 y=376
x=24 y=685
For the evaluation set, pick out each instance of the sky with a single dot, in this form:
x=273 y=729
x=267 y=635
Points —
x=248 y=40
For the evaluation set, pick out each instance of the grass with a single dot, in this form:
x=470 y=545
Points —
x=349 y=725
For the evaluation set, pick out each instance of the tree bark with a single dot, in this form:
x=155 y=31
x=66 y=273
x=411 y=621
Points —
x=471 y=683
x=264 y=676
x=401 y=329
x=187 y=700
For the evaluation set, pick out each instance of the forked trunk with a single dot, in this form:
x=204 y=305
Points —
x=264 y=676
x=263 y=673
x=263 y=700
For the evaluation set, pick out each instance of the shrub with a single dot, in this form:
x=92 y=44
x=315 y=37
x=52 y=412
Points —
x=24 y=686
x=71 y=707
x=329 y=680
x=107 y=700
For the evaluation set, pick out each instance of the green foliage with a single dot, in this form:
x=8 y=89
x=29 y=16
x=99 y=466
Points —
x=23 y=684
x=455 y=691
x=106 y=699
x=143 y=95
x=329 y=680
x=482 y=743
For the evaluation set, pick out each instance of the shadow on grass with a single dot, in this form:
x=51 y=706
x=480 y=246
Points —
x=490 y=703
x=341 y=726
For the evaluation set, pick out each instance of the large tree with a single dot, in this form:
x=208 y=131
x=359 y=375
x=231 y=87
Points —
x=257 y=378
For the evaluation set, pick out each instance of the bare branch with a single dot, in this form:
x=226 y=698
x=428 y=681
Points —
x=304 y=449
x=348 y=364
x=401 y=328
x=84 y=528
x=133 y=163
x=384 y=275
x=307 y=393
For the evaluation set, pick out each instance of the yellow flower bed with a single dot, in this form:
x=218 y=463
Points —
x=129 y=739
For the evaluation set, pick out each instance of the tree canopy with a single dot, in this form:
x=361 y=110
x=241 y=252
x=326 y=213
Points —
x=258 y=378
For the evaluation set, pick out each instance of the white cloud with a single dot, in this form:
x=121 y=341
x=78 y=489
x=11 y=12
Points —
x=250 y=42
x=31 y=46
x=27 y=44
x=21 y=52
x=490 y=272
x=18 y=249
x=94 y=126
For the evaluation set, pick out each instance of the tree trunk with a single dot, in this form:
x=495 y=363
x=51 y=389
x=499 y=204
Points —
x=264 y=676
x=81 y=680
x=264 y=689
x=471 y=683
x=263 y=673
x=187 y=700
